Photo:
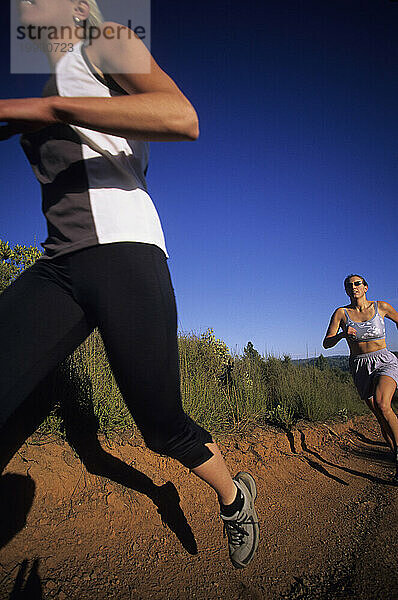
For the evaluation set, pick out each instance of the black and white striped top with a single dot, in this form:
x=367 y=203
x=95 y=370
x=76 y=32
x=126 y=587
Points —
x=93 y=184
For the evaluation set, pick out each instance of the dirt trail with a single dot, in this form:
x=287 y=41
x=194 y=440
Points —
x=328 y=516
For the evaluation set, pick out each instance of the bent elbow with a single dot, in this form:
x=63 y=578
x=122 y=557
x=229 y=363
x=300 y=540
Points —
x=194 y=133
x=186 y=122
x=180 y=121
x=190 y=129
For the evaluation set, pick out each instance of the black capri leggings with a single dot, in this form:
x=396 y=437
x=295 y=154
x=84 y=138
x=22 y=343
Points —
x=125 y=290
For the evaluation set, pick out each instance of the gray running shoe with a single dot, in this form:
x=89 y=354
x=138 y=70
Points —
x=242 y=528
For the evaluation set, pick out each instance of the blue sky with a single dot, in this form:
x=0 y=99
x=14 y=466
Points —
x=293 y=181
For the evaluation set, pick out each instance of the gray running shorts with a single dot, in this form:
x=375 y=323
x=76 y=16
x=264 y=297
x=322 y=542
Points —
x=365 y=367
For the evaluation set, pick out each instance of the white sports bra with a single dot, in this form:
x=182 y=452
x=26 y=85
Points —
x=374 y=329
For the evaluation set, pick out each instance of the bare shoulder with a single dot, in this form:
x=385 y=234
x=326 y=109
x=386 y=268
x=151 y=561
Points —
x=110 y=31
x=385 y=309
x=336 y=321
x=383 y=305
x=117 y=46
x=121 y=53
x=338 y=315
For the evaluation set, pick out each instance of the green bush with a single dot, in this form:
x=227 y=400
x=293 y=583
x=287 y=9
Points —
x=205 y=363
x=282 y=392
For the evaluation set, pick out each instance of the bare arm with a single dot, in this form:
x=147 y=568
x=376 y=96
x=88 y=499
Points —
x=389 y=311
x=154 y=109
x=332 y=336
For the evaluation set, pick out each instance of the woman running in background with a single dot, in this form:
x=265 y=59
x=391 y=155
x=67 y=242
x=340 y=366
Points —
x=105 y=260
x=373 y=367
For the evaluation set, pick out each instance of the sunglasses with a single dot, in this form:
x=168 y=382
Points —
x=354 y=283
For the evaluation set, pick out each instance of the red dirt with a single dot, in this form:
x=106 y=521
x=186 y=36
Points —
x=328 y=517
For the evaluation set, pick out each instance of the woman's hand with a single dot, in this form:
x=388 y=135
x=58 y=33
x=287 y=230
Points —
x=24 y=115
x=351 y=333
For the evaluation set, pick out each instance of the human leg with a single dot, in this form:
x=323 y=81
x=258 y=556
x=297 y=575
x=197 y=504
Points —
x=384 y=391
x=385 y=387
x=384 y=426
x=40 y=324
x=236 y=507
x=131 y=296
x=368 y=371
x=215 y=472
x=128 y=289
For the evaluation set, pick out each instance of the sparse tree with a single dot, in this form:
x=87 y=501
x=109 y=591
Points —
x=250 y=352
x=322 y=363
x=15 y=260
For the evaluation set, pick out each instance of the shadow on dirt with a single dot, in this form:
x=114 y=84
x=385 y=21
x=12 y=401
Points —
x=29 y=588
x=16 y=498
x=366 y=476
x=74 y=394
x=365 y=439
x=383 y=453
x=25 y=421
x=312 y=463
x=290 y=439
x=379 y=456
x=17 y=491
x=81 y=427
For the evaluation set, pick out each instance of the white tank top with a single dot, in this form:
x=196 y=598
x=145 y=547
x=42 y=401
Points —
x=93 y=184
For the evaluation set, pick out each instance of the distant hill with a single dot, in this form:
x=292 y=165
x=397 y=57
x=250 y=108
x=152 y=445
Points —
x=339 y=361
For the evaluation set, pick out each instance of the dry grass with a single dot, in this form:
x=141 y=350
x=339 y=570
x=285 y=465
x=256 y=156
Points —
x=223 y=393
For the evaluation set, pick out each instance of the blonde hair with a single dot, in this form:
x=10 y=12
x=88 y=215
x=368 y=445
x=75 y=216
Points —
x=95 y=18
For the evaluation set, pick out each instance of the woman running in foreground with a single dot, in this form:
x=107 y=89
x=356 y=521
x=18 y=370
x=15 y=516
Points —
x=373 y=367
x=105 y=261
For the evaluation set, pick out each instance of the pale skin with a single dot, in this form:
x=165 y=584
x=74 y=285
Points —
x=362 y=309
x=155 y=109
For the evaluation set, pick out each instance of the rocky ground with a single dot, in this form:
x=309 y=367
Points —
x=114 y=521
